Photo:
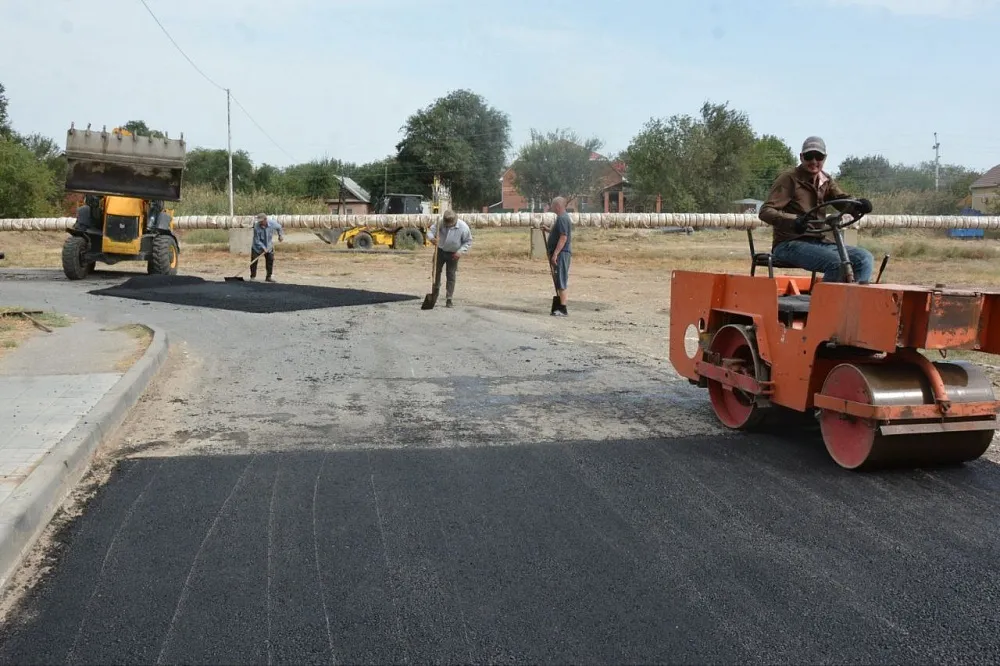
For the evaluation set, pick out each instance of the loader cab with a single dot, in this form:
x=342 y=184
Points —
x=401 y=204
x=123 y=224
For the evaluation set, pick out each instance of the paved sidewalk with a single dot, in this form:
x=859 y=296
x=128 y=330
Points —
x=60 y=393
x=37 y=412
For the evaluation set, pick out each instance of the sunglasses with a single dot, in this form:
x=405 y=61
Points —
x=814 y=157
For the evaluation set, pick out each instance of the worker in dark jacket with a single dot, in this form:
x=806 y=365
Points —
x=263 y=244
x=801 y=242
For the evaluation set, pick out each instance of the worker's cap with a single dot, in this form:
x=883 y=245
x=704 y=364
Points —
x=261 y=217
x=814 y=144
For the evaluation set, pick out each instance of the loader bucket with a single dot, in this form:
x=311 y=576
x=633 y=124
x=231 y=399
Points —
x=124 y=164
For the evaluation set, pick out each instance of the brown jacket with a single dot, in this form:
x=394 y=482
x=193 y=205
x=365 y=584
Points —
x=794 y=192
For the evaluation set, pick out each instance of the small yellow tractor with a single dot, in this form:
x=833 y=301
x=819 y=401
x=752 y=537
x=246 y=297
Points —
x=126 y=180
x=365 y=237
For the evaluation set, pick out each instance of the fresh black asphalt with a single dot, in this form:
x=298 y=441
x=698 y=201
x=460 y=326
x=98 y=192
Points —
x=243 y=296
x=385 y=484
x=747 y=550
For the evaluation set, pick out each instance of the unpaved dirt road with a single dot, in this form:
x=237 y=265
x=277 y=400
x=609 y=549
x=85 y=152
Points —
x=374 y=483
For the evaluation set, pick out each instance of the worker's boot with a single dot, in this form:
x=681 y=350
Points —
x=448 y=303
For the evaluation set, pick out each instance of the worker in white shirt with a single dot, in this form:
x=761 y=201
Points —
x=453 y=239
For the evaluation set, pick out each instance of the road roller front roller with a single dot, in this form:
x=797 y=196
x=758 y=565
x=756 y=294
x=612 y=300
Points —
x=870 y=361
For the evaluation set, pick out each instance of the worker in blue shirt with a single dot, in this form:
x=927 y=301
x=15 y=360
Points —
x=263 y=243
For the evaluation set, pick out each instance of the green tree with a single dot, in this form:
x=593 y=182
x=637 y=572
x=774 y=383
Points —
x=463 y=140
x=6 y=131
x=206 y=166
x=140 y=128
x=267 y=178
x=49 y=154
x=725 y=165
x=27 y=187
x=656 y=161
x=696 y=164
x=557 y=164
x=869 y=174
x=42 y=147
x=954 y=179
x=314 y=180
x=388 y=175
x=768 y=158
x=874 y=174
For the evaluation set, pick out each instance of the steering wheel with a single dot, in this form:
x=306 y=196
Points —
x=836 y=221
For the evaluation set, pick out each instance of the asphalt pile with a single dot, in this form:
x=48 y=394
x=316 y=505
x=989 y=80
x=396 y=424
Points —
x=251 y=297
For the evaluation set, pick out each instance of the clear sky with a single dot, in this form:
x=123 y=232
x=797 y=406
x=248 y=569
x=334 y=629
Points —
x=338 y=78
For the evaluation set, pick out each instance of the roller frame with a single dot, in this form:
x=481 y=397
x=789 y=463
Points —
x=847 y=324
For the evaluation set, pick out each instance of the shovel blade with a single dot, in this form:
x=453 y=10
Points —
x=429 y=301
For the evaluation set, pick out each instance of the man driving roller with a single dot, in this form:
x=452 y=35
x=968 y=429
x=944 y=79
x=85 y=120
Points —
x=804 y=242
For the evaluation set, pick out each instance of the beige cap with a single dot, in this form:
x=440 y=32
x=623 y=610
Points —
x=814 y=144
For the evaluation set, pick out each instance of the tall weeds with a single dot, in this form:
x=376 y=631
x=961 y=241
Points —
x=205 y=200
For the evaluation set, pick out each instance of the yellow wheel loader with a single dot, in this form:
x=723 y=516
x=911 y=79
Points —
x=365 y=237
x=126 y=180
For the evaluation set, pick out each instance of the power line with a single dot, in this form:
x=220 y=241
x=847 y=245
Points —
x=198 y=69
x=261 y=128
x=210 y=80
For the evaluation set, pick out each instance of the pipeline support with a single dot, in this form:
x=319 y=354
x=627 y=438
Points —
x=528 y=220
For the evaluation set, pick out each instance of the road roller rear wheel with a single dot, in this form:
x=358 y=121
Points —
x=736 y=409
x=856 y=443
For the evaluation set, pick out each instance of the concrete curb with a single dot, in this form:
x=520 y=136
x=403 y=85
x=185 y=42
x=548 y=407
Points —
x=27 y=512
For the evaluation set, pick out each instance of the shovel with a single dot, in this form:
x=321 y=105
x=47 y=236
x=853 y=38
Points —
x=239 y=278
x=431 y=298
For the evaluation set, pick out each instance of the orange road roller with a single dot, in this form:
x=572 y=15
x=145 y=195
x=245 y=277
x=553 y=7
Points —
x=870 y=361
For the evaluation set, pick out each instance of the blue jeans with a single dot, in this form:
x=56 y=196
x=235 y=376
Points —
x=823 y=258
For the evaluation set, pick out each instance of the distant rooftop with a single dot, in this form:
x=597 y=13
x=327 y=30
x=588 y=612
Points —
x=989 y=179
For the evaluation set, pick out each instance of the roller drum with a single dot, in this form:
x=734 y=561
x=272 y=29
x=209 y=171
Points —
x=857 y=443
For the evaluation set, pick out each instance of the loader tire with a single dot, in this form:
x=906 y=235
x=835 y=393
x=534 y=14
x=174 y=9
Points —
x=72 y=258
x=165 y=256
x=364 y=241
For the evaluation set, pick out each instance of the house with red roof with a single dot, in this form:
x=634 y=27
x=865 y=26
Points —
x=609 y=195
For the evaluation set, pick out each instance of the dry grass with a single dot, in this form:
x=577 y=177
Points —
x=917 y=257
x=204 y=236
x=143 y=337
x=15 y=329
x=620 y=279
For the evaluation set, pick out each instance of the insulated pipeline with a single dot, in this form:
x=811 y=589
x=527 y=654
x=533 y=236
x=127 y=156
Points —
x=527 y=220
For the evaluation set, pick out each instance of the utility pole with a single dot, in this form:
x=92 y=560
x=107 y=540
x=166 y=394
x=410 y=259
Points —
x=937 y=162
x=229 y=130
x=385 y=184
